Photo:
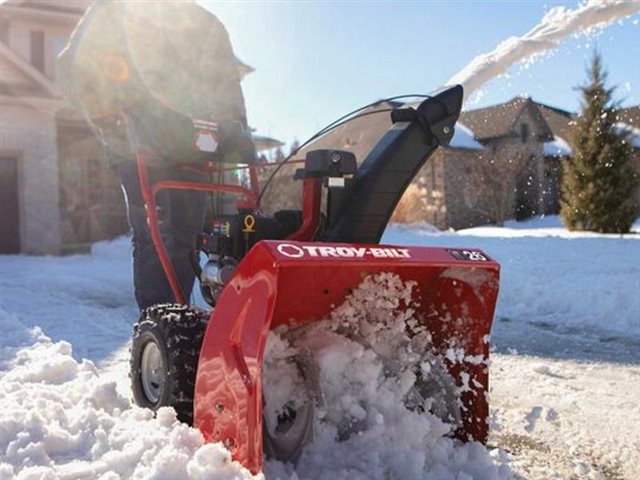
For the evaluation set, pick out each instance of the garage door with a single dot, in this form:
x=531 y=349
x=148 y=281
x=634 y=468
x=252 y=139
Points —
x=9 y=207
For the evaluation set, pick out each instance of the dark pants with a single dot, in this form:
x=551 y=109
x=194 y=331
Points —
x=180 y=215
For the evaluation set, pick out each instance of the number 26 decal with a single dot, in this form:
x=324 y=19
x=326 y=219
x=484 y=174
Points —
x=469 y=255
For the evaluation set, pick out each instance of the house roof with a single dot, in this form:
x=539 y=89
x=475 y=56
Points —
x=464 y=139
x=263 y=142
x=499 y=120
x=67 y=12
x=62 y=6
x=559 y=121
x=558 y=147
x=358 y=136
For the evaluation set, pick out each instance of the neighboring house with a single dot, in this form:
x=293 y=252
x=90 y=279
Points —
x=514 y=134
x=504 y=162
x=56 y=193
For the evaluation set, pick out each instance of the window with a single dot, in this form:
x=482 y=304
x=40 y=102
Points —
x=4 y=31
x=524 y=132
x=37 y=49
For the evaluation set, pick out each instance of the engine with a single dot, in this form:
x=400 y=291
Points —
x=227 y=239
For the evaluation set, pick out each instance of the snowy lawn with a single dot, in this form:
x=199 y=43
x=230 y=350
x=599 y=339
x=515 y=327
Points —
x=565 y=372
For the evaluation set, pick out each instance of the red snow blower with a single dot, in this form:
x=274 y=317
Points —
x=291 y=269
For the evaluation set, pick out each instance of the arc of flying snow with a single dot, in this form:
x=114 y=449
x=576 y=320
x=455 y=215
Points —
x=555 y=26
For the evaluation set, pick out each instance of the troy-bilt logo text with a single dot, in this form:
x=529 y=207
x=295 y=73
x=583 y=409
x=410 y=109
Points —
x=296 y=251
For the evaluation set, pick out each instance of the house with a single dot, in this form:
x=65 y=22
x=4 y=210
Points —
x=56 y=193
x=49 y=162
x=453 y=190
x=521 y=143
x=504 y=162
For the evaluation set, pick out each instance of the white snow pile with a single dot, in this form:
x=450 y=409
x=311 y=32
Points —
x=558 y=24
x=564 y=297
x=464 y=138
x=61 y=420
x=558 y=147
x=582 y=280
x=367 y=367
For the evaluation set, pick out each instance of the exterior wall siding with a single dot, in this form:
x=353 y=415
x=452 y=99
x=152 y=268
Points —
x=30 y=135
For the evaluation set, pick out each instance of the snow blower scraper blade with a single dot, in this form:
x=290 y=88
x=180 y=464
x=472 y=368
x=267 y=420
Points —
x=296 y=283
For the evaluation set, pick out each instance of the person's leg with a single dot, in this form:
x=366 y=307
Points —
x=187 y=217
x=150 y=282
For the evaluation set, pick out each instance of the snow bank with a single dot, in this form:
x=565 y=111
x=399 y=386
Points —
x=555 y=26
x=14 y=333
x=65 y=418
x=581 y=280
x=61 y=420
x=86 y=300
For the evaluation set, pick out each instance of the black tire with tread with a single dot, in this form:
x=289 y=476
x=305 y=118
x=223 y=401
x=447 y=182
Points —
x=178 y=331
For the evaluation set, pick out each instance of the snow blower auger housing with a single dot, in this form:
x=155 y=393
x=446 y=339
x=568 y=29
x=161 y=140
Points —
x=293 y=269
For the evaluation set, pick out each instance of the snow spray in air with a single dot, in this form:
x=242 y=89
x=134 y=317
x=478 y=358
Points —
x=555 y=26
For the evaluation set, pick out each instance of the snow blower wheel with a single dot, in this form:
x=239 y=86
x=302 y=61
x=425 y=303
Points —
x=438 y=389
x=164 y=356
x=285 y=437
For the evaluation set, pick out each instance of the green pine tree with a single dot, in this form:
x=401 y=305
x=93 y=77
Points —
x=598 y=181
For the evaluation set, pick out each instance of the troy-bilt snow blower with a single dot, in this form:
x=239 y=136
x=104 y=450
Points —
x=291 y=269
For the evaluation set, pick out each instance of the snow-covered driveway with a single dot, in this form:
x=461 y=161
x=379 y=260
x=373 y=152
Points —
x=565 y=373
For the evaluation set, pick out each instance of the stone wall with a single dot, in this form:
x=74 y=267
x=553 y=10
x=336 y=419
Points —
x=464 y=188
x=465 y=195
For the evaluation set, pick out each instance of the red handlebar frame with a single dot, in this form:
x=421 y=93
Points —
x=312 y=197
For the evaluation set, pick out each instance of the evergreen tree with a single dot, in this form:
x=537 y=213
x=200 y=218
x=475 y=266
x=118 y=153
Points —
x=278 y=155
x=599 y=181
x=295 y=146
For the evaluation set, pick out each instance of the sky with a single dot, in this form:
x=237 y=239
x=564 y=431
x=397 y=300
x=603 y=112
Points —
x=315 y=61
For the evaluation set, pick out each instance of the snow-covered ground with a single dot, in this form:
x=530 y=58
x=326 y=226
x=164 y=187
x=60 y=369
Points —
x=565 y=371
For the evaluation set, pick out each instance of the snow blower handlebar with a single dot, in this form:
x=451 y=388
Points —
x=359 y=201
x=149 y=192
